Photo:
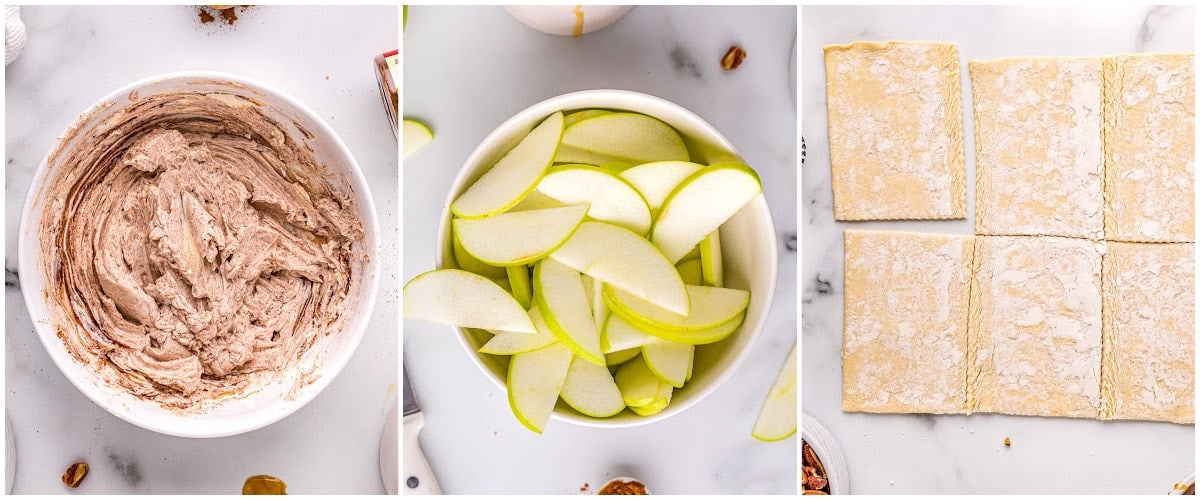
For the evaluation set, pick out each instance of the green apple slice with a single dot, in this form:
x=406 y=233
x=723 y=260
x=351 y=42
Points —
x=600 y=311
x=583 y=114
x=535 y=201
x=669 y=360
x=700 y=204
x=615 y=167
x=694 y=254
x=535 y=380
x=590 y=390
x=620 y=335
x=518 y=282
x=656 y=180
x=509 y=343
x=712 y=269
x=696 y=337
x=459 y=298
x=515 y=175
x=619 y=357
x=624 y=260
x=416 y=136
x=711 y=307
x=777 y=418
x=558 y=292
x=625 y=137
x=642 y=390
x=690 y=272
x=472 y=265
x=518 y=238
x=609 y=197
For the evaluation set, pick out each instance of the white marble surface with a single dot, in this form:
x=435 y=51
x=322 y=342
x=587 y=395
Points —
x=321 y=56
x=966 y=454
x=463 y=87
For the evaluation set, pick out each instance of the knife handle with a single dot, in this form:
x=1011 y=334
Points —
x=416 y=468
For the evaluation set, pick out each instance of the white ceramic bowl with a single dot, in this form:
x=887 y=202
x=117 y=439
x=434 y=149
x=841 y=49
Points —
x=748 y=244
x=305 y=378
x=822 y=443
x=561 y=19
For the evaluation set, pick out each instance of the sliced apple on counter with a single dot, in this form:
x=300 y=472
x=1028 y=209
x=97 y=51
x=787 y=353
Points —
x=518 y=238
x=656 y=180
x=472 y=265
x=416 y=136
x=590 y=390
x=690 y=272
x=621 y=137
x=535 y=380
x=669 y=361
x=622 y=259
x=642 y=390
x=464 y=299
x=609 y=197
x=711 y=307
x=583 y=114
x=509 y=343
x=711 y=265
x=619 y=335
x=616 y=358
x=559 y=295
x=519 y=284
x=700 y=204
x=514 y=175
x=777 y=418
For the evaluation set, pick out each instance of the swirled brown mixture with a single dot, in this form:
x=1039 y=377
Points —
x=190 y=244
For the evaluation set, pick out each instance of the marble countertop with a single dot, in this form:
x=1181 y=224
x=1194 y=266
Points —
x=323 y=57
x=463 y=87
x=966 y=454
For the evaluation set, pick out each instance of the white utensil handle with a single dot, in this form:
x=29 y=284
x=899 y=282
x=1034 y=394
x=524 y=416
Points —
x=416 y=468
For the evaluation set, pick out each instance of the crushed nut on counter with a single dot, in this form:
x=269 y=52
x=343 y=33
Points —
x=263 y=484
x=74 y=475
x=733 y=58
x=619 y=487
x=1007 y=442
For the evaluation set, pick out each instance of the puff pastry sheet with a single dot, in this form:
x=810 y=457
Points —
x=1039 y=149
x=905 y=322
x=1036 y=327
x=895 y=130
x=1149 y=147
x=1149 y=332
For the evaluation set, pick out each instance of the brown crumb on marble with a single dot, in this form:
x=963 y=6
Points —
x=733 y=58
x=227 y=13
x=205 y=17
x=74 y=475
x=585 y=488
x=619 y=487
x=1007 y=442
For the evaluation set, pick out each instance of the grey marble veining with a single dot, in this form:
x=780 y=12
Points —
x=322 y=56
x=966 y=454
x=463 y=87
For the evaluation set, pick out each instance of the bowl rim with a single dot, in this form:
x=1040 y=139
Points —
x=830 y=453
x=329 y=370
x=579 y=100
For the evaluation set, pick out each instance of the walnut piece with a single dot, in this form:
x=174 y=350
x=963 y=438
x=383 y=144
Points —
x=733 y=58
x=74 y=475
x=263 y=484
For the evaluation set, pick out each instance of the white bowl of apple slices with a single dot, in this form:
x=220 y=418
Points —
x=605 y=257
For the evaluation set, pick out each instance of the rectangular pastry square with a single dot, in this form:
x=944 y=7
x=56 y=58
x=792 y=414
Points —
x=1149 y=147
x=1149 y=332
x=1039 y=150
x=1034 y=344
x=895 y=131
x=905 y=324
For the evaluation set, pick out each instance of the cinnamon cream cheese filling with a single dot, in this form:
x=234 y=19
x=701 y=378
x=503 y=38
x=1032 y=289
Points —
x=192 y=247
